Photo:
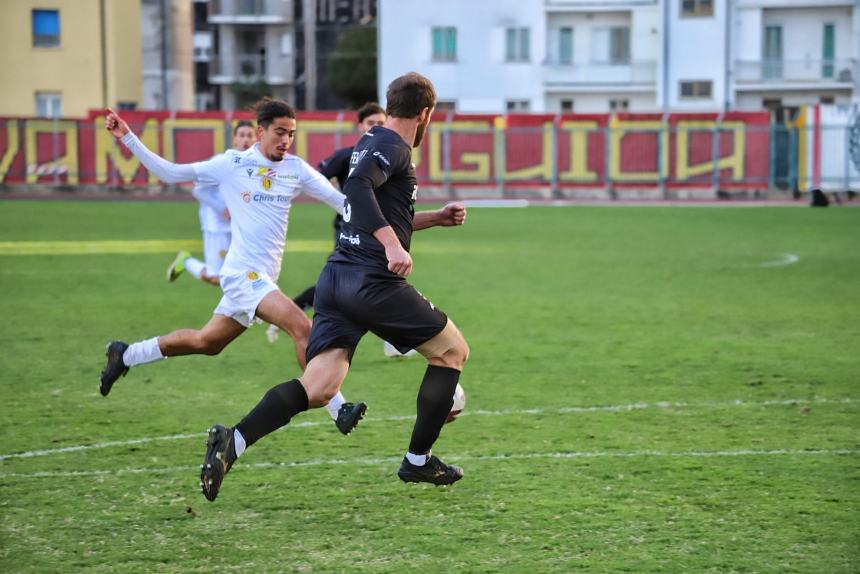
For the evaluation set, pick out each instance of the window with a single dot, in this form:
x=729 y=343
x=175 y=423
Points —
x=619 y=105
x=697 y=8
x=565 y=46
x=444 y=106
x=517 y=105
x=619 y=45
x=444 y=44
x=49 y=104
x=46 y=28
x=696 y=90
x=517 y=45
x=567 y=105
x=772 y=53
x=827 y=50
x=827 y=100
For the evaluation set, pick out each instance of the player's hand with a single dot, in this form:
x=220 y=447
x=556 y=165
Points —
x=452 y=214
x=399 y=260
x=115 y=124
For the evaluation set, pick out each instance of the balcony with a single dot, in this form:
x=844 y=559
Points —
x=251 y=68
x=250 y=11
x=594 y=5
x=795 y=73
x=599 y=75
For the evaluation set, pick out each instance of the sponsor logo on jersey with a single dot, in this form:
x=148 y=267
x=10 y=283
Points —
x=356 y=156
x=250 y=171
x=267 y=198
x=246 y=196
x=237 y=159
x=347 y=212
x=289 y=176
x=382 y=157
x=267 y=171
x=351 y=239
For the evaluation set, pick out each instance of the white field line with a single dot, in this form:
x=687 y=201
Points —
x=455 y=458
x=783 y=261
x=663 y=405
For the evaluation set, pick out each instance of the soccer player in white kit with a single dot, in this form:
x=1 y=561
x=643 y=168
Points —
x=258 y=186
x=214 y=222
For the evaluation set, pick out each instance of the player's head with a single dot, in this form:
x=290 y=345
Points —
x=276 y=127
x=243 y=135
x=411 y=96
x=370 y=115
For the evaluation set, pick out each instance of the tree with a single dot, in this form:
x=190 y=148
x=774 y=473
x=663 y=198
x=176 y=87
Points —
x=352 y=68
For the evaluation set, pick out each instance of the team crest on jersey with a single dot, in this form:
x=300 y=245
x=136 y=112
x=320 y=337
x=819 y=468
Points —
x=266 y=183
x=222 y=254
x=252 y=276
x=246 y=196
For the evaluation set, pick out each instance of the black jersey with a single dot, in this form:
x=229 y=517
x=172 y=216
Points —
x=380 y=191
x=336 y=165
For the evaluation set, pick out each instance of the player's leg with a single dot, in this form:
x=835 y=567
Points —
x=322 y=378
x=215 y=246
x=278 y=309
x=210 y=340
x=305 y=299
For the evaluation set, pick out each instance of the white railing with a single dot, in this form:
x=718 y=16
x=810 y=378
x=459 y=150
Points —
x=250 y=11
x=600 y=73
x=795 y=71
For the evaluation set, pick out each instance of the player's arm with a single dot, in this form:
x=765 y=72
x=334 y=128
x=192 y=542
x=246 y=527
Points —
x=363 y=213
x=166 y=171
x=450 y=215
x=318 y=187
x=334 y=164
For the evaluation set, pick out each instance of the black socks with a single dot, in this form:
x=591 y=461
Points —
x=435 y=398
x=276 y=408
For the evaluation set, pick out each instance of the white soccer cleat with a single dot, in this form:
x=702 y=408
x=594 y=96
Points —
x=391 y=351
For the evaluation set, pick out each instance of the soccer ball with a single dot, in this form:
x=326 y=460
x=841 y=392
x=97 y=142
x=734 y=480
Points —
x=459 y=404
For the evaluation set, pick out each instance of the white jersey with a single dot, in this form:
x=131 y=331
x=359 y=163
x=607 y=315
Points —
x=258 y=193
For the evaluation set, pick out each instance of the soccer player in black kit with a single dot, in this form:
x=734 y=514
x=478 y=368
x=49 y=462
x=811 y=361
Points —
x=336 y=166
x=363 y=288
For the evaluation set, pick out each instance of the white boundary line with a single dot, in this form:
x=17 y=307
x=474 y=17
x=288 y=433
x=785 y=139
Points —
x=489 y=458
x=663 y=405
x=783 y=261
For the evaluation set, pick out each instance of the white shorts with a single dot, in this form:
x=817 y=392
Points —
x=242 y=295
x=215 y=246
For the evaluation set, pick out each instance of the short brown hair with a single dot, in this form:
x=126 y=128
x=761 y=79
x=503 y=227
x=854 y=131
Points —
x=268 y=109
x=408 y=95
x=242 y=124
x=368 y=109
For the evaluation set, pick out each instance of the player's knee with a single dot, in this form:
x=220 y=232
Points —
x=210 y=346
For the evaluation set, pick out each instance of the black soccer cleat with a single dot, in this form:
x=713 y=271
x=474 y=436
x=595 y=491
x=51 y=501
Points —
x=114 y=368
x=348 y=416
x=220 y=456
x=434 y=471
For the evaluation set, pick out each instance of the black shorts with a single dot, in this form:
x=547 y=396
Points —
x=351 y=300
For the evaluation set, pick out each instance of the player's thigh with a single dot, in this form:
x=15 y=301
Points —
x=278 y=309
x=449 y=345
x=396 y=312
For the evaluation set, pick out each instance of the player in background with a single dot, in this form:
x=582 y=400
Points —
x=336 y=166
x=258 y=186
x=363 y=288
x=214 y=222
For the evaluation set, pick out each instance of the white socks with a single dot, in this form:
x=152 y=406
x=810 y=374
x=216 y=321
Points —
x=194 y=266
x=142 y=353
x=238 y=442
x=334 y=405
x=418 y=459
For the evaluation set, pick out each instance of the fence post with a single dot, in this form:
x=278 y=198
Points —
x=715 y=156
x=793 y=158
x=771 y=156
x=446 y=160
x=499 y=151
x=607 y=154
x=553 y=182
x=661 y=182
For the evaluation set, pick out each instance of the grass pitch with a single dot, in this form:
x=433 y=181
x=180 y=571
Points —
x=650 y=390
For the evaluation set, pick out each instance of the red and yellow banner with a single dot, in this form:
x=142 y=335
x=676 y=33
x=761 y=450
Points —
x=569 y=150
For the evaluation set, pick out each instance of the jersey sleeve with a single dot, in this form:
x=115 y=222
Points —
x=215 y=169
x=319 y=187
x=372 y=169
x=208 y=194
x=164 y=170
